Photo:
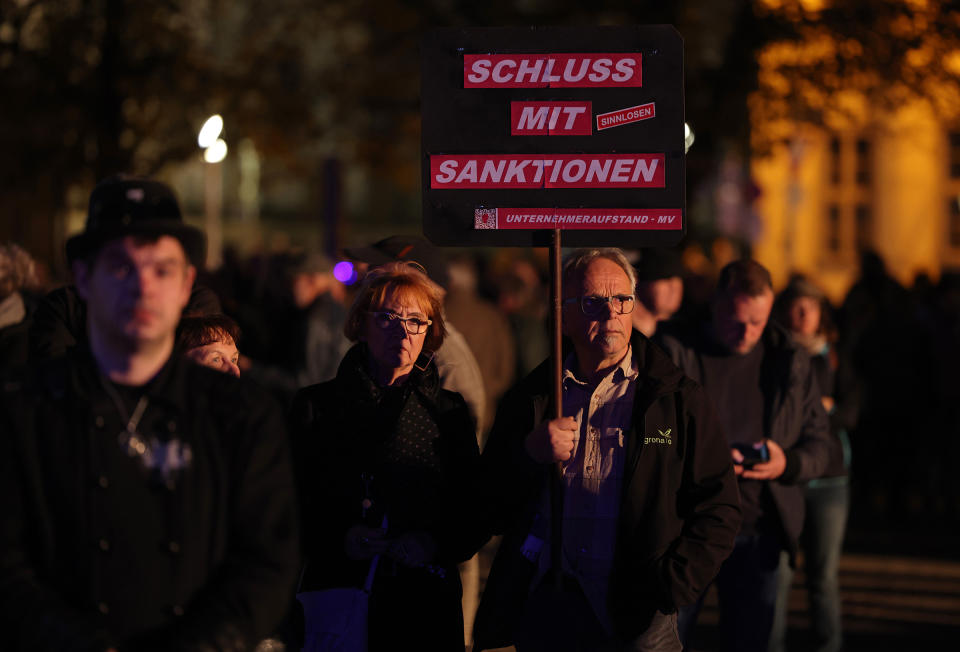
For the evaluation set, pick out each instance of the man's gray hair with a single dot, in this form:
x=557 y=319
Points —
x=577 y=262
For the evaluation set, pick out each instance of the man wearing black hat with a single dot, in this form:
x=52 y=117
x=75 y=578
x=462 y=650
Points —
x=146 y=500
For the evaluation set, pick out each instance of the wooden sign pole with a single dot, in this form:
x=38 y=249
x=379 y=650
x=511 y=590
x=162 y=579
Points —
x=556 y=355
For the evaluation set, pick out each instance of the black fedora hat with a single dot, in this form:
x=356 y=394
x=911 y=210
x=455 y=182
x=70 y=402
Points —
x=656 y=264
x=126 y=205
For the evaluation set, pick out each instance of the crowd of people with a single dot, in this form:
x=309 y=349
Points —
x=264 y=456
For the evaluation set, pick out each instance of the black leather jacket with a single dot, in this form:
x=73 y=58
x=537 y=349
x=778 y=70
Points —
x=95 y=552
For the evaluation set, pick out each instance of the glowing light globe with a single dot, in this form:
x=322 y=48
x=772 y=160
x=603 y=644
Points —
x=344 y=272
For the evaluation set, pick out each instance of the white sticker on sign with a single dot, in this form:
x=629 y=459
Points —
x=485 y=218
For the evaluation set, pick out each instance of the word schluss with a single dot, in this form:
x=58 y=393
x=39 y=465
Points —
x=592 y=70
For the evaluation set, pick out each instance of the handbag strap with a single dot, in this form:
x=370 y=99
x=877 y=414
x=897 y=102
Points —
x=368 y=584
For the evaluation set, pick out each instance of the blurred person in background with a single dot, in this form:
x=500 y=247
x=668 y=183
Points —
x=486 y=330
x=699 y=282
x=878 y=326
x=522 y=297
x=804 y=310
x=659 y=289
x=769 y=405
x=178 y=533
x=944 y=339
x=210 y=340
x=387 y=465
x=309 y=336
x=490 y=338
x=18 y=280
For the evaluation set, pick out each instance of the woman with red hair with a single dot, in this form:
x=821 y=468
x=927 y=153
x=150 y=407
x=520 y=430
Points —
x=387 y=464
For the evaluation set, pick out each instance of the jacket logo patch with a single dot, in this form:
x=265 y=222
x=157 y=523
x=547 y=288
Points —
x=663 y=438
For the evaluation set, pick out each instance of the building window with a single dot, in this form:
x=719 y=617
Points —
x=863 y=162
x=864 y=227
x=848 y=198
x=835 y=161
x=833 y=228
x=955 y=155
x=953 y=224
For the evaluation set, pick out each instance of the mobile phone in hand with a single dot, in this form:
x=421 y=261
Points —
x=752 y=456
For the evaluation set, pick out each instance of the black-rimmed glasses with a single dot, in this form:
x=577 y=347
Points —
x=385 y=321
x=594 y=306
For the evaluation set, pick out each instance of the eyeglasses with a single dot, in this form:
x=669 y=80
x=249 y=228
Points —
x=413 y=325
x=593 y=306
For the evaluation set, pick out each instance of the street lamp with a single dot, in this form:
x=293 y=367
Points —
x=210 y=131
x=688 y=137
x=214 y=151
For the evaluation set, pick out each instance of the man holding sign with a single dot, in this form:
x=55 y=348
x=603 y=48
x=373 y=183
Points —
x=651 y=505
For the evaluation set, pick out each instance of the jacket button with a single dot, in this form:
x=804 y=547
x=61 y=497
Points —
x=98 y=422
x=177 y=610
x=103 y=482
x=104 y=545
x=103 y=608
x=173 y=548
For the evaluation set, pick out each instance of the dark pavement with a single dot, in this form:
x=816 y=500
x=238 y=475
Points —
x=900 y=586
x=889 y=603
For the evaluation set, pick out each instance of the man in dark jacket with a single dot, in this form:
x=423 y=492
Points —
x=147 y=502
x=770 y=409
x=651 y=506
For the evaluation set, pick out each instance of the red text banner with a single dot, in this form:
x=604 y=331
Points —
x=547 y=171
x=567 y=70
x=551 y=118
x=626 y=116
x=578 y=218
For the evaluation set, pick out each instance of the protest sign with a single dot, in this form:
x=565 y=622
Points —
x=527 y=130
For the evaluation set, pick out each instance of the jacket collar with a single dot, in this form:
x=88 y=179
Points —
x=355 y=379
x=625 y=370
x=168 y=387
x=658 y=374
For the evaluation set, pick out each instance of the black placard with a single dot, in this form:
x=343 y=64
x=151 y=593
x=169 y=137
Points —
x=634 y=73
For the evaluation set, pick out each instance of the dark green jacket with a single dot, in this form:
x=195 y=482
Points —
x=679 y=512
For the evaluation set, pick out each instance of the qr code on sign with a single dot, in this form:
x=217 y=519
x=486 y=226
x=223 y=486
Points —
x=485 y=218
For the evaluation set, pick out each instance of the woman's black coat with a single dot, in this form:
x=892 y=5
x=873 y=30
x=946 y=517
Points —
x=342 y=432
